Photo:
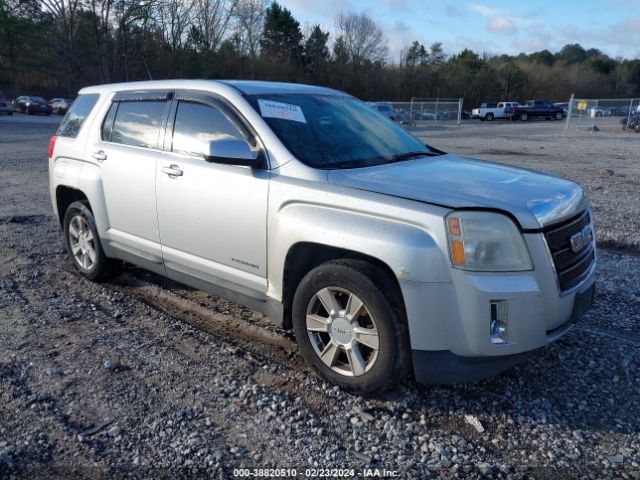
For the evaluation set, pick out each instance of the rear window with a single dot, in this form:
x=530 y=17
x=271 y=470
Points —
x=77 y=114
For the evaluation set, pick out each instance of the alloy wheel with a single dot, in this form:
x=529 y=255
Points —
x=342 y=331
x=82 y=242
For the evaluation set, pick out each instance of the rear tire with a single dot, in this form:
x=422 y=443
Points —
x=350 y=326
x=524 y=117
x=83 y=244
x=558 y=116
x=489 y=117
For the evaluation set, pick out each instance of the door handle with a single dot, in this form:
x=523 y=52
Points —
x=99 y=155
x=173 y=171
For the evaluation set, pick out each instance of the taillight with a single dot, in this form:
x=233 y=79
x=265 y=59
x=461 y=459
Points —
x=52 y=145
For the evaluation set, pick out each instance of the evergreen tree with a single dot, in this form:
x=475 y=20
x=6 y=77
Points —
x=281 y=37
x=416 y=55
x=316 y=51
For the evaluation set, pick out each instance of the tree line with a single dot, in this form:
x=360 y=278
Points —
x=55 y=47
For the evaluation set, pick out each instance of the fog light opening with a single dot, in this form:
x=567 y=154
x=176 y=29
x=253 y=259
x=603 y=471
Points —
x=499 y=323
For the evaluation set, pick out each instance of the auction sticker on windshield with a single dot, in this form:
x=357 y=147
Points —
x=284 y=111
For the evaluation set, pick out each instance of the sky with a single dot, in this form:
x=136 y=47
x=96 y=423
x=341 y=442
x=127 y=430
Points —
x=495 y=27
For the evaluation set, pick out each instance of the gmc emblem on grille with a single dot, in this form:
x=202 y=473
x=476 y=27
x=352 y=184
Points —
x=581 y=239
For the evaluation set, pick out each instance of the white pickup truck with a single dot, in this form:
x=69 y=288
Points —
x=489 y=111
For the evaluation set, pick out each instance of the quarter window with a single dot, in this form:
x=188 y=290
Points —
x=138 y=123
x=77 y=114
x=196 y=124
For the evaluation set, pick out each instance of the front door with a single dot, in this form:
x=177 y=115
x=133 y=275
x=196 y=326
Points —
x=212 y=217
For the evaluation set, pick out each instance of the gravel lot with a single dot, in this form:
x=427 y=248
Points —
x=142 y=377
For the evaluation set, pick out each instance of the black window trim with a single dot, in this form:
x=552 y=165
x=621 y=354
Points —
x=128 y=96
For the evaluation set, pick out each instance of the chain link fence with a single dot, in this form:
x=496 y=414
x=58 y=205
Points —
x=427 y=112
x=620 y=115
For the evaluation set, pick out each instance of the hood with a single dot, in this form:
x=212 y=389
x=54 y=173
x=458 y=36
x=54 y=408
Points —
x=535 y=199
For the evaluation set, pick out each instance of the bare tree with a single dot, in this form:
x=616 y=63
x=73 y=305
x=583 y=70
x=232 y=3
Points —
x=128 y=14
x=101 y=18
x=361 y=39
x=174 y=20
x=212 y=21
x=64 y=12
x=249 y=19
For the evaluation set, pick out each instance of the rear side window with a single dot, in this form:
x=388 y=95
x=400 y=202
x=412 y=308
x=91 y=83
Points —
x=77 y=114
x=137 y=123
x=197 y=124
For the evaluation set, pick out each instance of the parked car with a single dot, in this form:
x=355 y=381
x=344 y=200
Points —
x=564 y=106
x=31 y=105
x=621 y=111
x=403 y=116
x=597 y=111
x=60 y=105
x=6 y=104
x=383 y=254
x=385 y=108
x=537 y=108
x=491 y=111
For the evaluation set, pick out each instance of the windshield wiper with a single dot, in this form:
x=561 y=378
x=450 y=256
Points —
x=362 y=163
x=399 y=157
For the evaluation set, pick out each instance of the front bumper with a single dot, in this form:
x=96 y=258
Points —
x=449 y=324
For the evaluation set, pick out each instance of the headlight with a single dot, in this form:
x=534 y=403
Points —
x=486 y=241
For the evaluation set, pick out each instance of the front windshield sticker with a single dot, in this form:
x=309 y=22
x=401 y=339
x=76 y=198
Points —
x=284 y=111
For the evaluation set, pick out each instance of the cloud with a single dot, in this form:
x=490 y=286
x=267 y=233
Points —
x=501 y=24
x=484 y=10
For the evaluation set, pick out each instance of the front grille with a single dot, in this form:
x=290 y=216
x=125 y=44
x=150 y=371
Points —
x=571 y=267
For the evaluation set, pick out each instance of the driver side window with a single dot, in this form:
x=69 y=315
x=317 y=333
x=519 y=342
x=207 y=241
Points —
x=196 y=124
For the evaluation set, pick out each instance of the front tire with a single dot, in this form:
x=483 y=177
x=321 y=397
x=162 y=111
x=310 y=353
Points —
x=489 y=117
x=83 y=244
x=524 y=117
x=350 y=326
x=558 y=116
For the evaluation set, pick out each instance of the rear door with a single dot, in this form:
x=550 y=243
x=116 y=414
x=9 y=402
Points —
x=127 y=152
x=212 y=216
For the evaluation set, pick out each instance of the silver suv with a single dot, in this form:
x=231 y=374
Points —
x=383 y=254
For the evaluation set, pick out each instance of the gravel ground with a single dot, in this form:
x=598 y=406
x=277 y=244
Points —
x=142 y=377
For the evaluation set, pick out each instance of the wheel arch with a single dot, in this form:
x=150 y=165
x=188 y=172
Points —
x=65 y=196
x=302 y=257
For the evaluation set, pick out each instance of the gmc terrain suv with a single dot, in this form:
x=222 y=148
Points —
x=383 y=254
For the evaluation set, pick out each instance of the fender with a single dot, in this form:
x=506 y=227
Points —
x=409 y=251
x=86 y=177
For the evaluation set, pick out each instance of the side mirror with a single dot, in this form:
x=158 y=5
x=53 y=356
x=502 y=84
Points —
x=231 y=151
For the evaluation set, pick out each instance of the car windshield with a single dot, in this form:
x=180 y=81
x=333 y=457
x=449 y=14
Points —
x=336 y=131
x=38 y=99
